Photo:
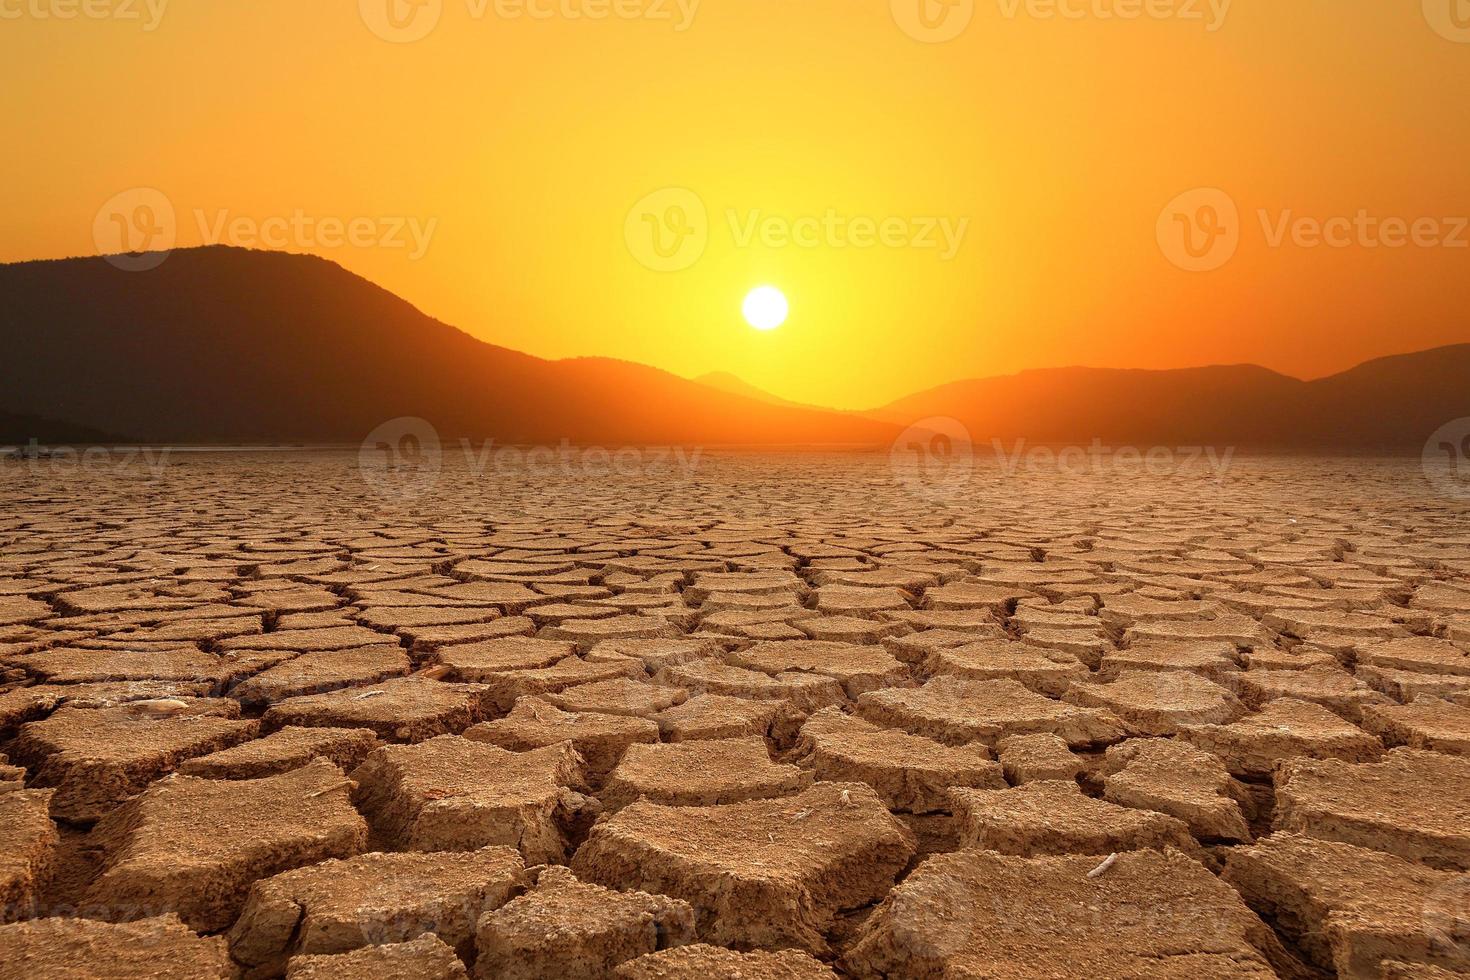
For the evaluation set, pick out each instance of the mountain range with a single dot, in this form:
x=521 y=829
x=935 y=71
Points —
x=231 y=345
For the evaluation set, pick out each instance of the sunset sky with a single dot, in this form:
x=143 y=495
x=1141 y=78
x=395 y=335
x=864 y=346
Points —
x=1049 y=147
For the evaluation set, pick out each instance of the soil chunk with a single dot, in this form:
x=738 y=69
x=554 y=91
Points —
x=1414 y=804
x=1285 y=728
x=194 y=846
x=370 y=900
x=85 y=949
x=455 y=794
x=763 y=874
x=424 y=958
x=570 y=929
x=957 y=712
x=1056 y=818
x=701 y=773
x=981 y=914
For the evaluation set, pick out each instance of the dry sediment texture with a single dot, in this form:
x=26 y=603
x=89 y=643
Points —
x=1056 y=818
x=704 y=962
x=28 y=842
x=1348 y=908
x=409 y=709
x=457 y=794
x=601 y=739
x=701 y=773
x=424 y=958
x=1427 y=723
x=98 y=757
x=372 y=899
x=1159 y=916
x=85 y=949
x=1415 y=804
x=958 y=712
x=284 y=750
x=764 y=874
x=194 y=846
x=1180 y=780
x=825 y=610
x=570 y=929
x=1034 y=758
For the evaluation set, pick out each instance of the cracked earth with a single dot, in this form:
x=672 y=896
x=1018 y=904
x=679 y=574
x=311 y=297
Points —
x=774 y=716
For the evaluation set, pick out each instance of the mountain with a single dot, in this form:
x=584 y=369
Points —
x=1392 y=403
x=232 y=345
x=224 y=344
x=729 y=383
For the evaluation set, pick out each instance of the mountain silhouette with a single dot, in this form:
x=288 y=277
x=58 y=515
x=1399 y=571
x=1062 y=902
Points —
x=223 y=344
x=1392 y=403
x=732 y=384
x=229 y=345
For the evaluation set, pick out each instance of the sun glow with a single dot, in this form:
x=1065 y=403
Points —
x=766 y=308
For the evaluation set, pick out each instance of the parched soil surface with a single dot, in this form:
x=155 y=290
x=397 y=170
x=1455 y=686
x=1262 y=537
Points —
x=790 y=716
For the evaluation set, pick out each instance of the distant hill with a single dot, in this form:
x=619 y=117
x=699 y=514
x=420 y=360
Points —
x=232 y=345
x=1389 y=403
x=227 y=345
x=729 y=383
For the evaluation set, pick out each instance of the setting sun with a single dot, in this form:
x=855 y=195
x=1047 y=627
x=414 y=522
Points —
x=766 y=308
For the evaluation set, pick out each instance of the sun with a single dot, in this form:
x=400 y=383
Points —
x=766 y=308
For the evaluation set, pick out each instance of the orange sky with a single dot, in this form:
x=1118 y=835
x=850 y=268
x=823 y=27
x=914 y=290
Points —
x=518 y=145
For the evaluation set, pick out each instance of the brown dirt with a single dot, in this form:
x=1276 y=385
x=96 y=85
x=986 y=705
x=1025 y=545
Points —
x=424 y=958
x=803 y=603
x=83 y=949
x=600 y=739
x=571 y=929
x=1285 y=728
x=762 y=874
x=456 y=794
x=194 y=846
x=1176 y=778
x=701 y=773
x=1056 y=818
x=1428 y=723
x=958 y=712
x=369 y=900
x=98 y=757
x=1412 y=803
x=1150 y=916
x=703 y=962
x=284 y=750
x=1348 y=908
